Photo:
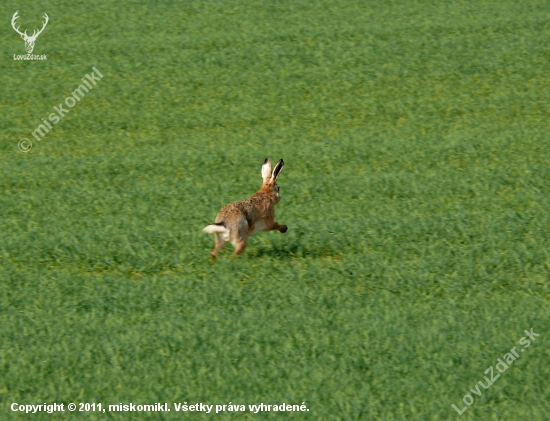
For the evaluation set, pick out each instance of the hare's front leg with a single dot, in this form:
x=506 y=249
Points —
x=280 y=228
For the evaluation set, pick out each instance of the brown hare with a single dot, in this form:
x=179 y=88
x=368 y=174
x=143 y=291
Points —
x=238 y=221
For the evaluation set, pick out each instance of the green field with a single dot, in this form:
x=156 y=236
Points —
x=416 y=189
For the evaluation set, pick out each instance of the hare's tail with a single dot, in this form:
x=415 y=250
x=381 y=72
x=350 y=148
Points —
x=218 y=227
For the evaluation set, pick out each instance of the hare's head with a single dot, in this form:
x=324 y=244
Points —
x=270 y=178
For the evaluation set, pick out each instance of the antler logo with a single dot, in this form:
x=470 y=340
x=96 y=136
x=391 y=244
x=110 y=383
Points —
x=29 y=40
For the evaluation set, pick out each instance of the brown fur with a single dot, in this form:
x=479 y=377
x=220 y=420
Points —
x=251 y=216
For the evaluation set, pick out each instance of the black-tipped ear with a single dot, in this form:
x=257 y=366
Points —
x=278 y=169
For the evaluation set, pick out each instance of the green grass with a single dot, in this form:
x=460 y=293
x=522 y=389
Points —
x=416 y=191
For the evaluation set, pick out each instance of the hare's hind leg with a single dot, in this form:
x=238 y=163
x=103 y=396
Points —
x=241 y=239
x=219 y=244
x=240 y=245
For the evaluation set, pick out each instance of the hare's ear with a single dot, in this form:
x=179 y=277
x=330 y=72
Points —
x=277 y=169
x=266 y=170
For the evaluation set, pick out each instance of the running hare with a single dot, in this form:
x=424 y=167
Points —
x=237 y=221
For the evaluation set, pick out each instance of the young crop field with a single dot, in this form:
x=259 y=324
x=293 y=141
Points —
x=415 y=274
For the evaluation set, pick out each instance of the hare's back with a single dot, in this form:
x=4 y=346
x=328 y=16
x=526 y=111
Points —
x=235 y=211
